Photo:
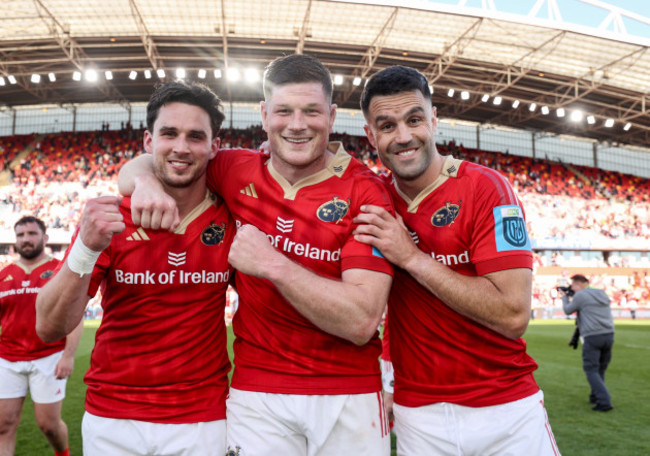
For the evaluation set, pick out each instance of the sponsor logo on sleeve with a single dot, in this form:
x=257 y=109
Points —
x=510 y=229
x=249 y=190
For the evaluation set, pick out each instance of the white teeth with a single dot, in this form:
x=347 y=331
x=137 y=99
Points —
x=297 y=141
x=176 y=163
x=405 y=152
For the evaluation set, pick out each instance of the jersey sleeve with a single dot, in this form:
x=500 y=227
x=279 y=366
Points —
x=222 y=165
x=356 y=254
x=500 y=240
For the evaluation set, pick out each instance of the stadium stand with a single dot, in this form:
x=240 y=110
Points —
x=52 y=175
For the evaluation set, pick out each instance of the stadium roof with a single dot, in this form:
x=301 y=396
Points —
x=533 y=60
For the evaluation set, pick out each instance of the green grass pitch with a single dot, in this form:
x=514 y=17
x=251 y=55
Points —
x=579 y=431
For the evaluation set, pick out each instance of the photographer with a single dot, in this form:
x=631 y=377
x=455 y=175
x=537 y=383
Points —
x=594 y=319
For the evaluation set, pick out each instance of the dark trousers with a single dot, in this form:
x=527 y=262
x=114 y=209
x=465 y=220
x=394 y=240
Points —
x=596 y=355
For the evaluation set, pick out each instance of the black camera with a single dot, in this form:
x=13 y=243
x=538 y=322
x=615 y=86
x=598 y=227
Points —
x=568 y=290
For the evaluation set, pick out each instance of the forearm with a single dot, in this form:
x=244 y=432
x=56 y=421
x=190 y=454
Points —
x=141 y=167
x=350 y=308
x=568 y=305
x=60 y=305
x=499 y=301
x=72 y=340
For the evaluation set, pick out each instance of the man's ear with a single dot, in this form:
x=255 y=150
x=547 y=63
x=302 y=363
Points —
x=147 y=141
x=370 y=135
x=264 y=114
x=216 y=142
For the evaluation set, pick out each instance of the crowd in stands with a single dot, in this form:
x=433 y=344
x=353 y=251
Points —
x=562 y=202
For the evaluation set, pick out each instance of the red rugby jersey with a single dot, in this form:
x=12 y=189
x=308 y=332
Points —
x=471 y=220
x=19 y=287
x=277 y=350
x=160 y=352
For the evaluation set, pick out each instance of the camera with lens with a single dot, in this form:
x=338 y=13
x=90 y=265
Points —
x=568 y=290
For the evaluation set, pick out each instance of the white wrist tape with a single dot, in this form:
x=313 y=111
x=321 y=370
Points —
x=387 y=375
x=81 y=260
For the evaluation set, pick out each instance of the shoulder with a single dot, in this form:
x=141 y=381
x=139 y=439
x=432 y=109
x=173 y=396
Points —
x=487 y=182
x=4 y=272
x=239 y=155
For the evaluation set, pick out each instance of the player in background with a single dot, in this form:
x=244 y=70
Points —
x=26 y=362
x=306 y=378
x=158 y=380
x=461 y=297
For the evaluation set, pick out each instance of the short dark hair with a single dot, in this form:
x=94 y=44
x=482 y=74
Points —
x=391 y=81
x=191 y=93
x=30 y=219
x=579 y=278
x=295 y=69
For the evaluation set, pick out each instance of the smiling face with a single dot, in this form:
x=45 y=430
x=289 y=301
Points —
x=181 y=144
x=298 y=119
x=402 y=128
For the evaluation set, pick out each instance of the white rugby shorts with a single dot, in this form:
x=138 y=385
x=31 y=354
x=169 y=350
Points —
x=519 y=427
x=117 y=437
x=36 y=376
x=260 y=424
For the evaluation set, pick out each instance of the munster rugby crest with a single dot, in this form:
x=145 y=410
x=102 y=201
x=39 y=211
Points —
x=334 y=210
x=213 y=234
x=47 y=274
x=446 y=215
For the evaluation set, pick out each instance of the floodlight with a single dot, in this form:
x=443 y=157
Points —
x=251 y=75
x=12 y=79
x=108 y=75
x=464 y=95
x=532 y=107
x=545 y=110
x=497 y=101
x=233 y=74
x=90 y=75
x=2 y=81
x=338 y=79
x=627 y=126
x=451 y=92
x=76 y=76
x=591 y=120
x=356 y=81
x=51 y=77
x=202 y=73
x=576 y=115
x=515 y=104
x=560 y=112
x=485 y=97
x=160 y=73
x=147 y=74
x=609 y=123
x=36 y=78
x=217 y=74
x=133 y=74
x=180 y=73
